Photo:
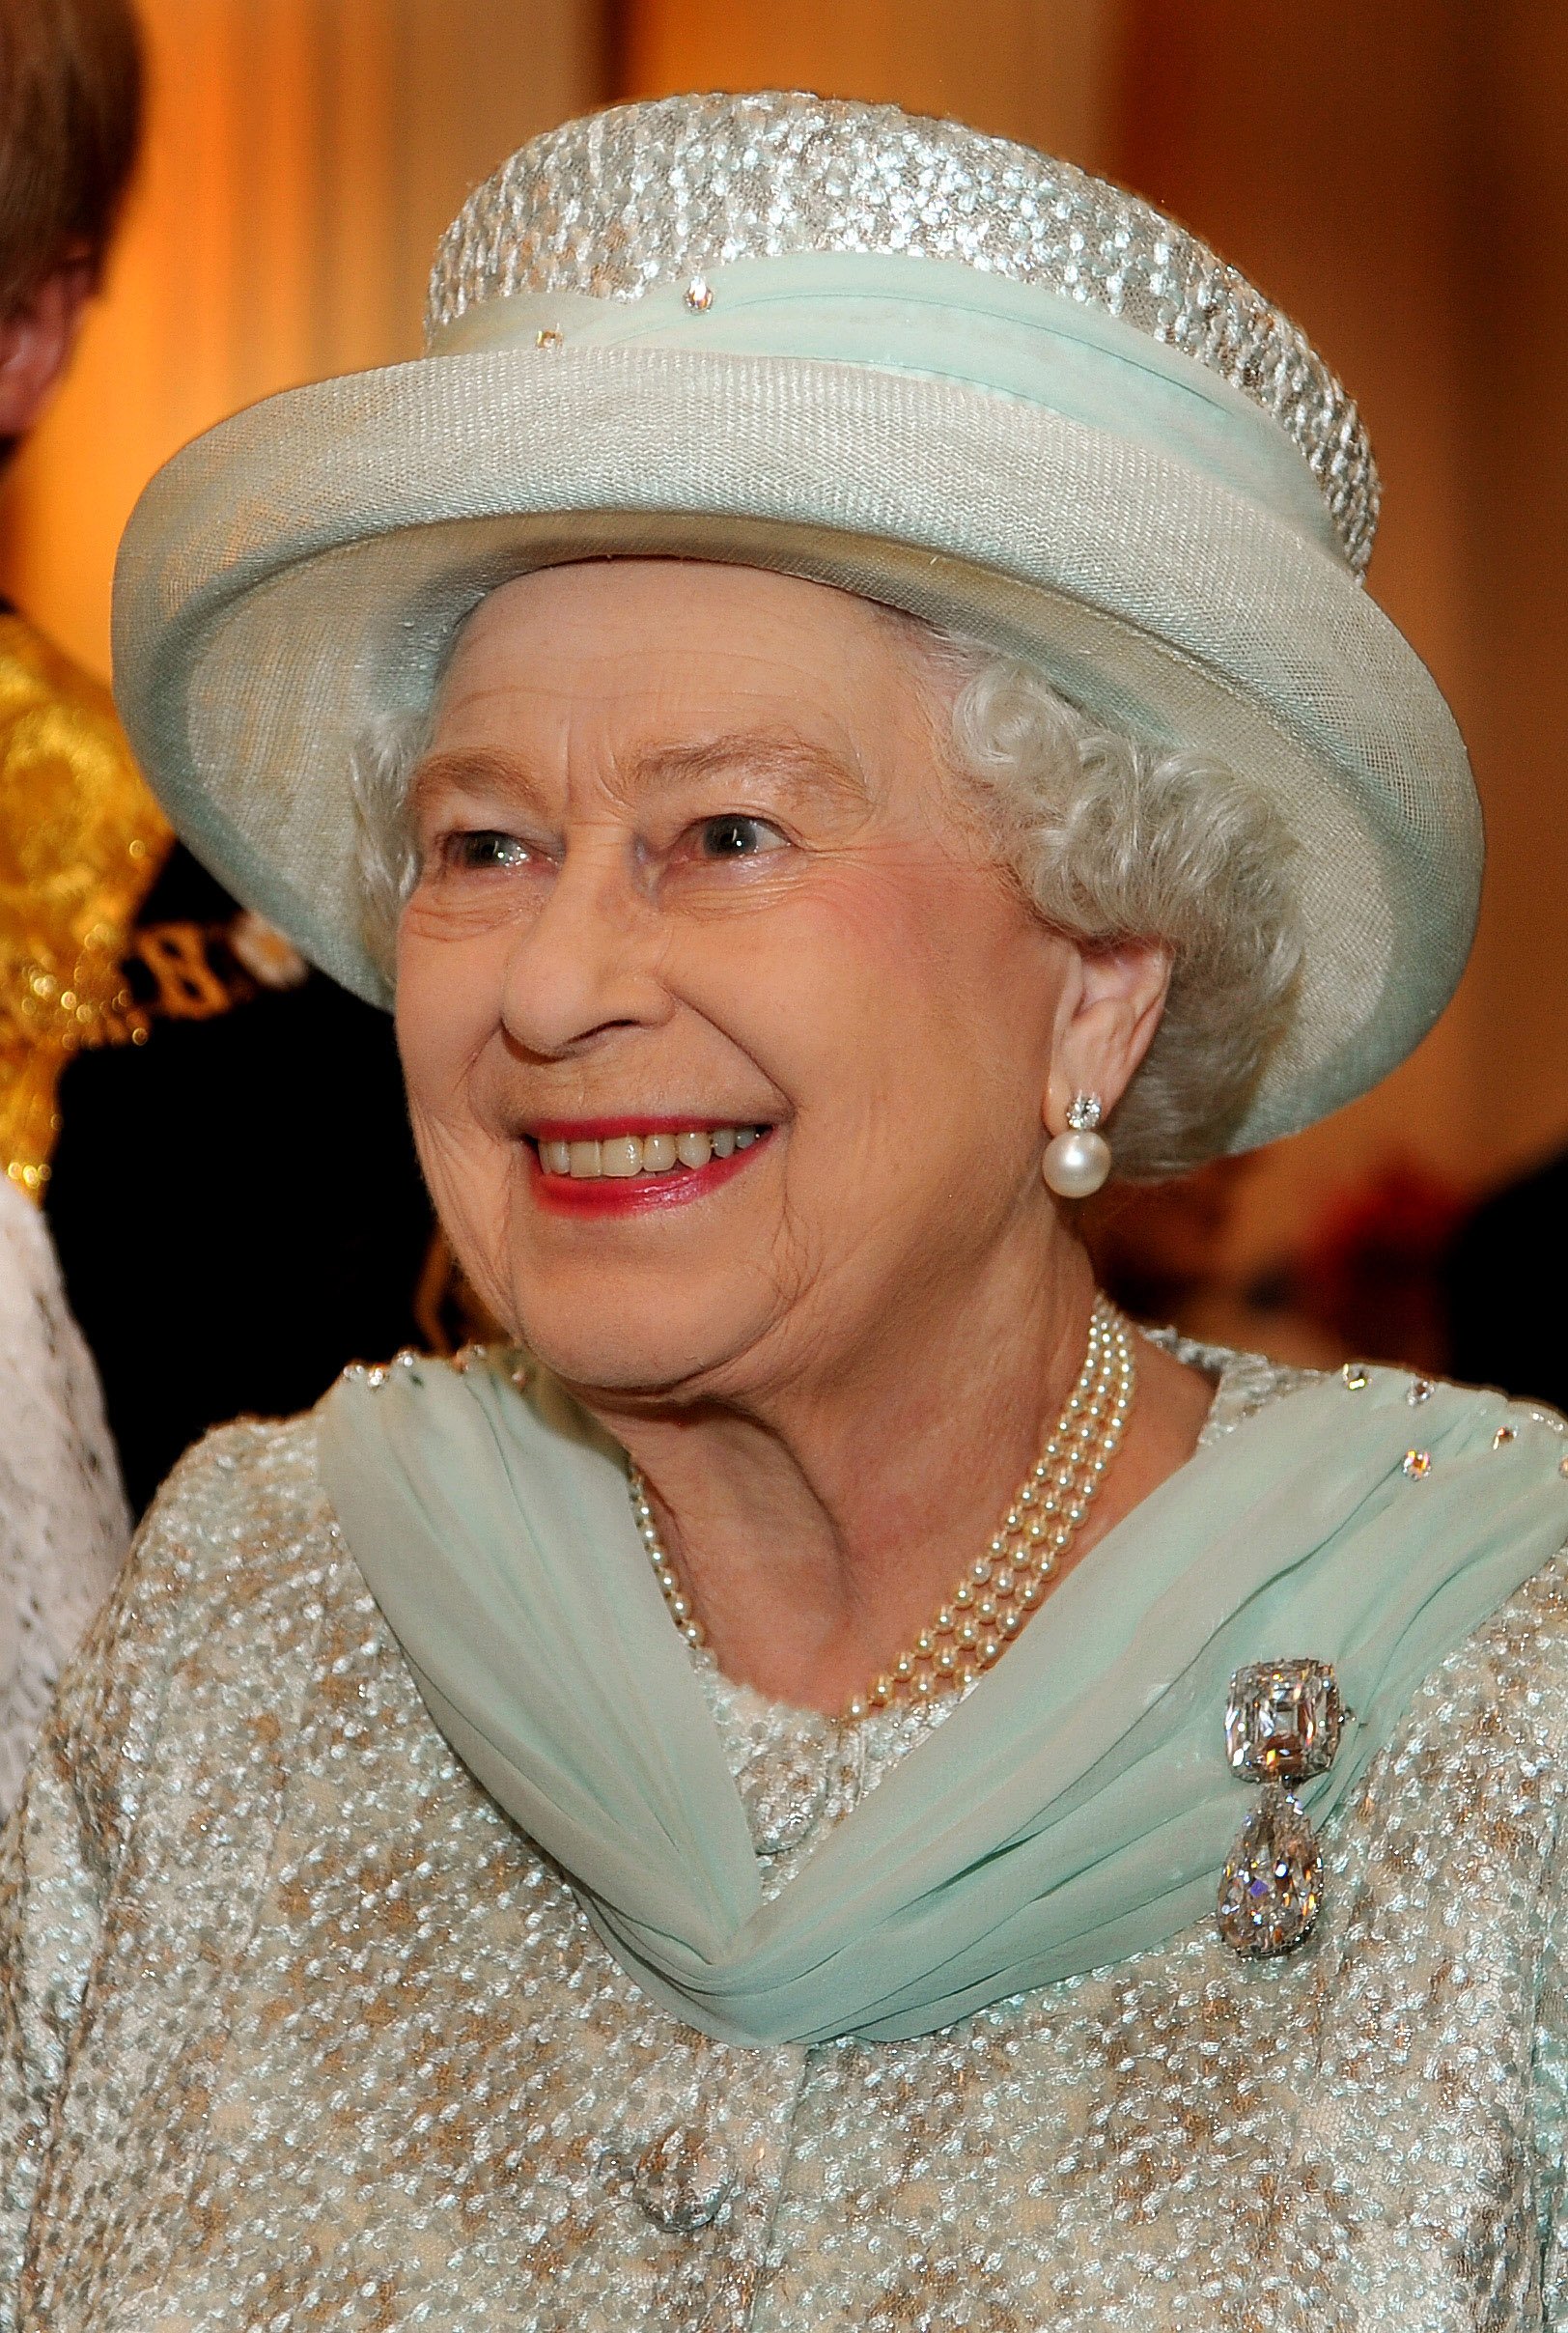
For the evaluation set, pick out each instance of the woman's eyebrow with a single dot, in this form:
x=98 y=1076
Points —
x=473 y=770
x=804 y=770
x=801 y=767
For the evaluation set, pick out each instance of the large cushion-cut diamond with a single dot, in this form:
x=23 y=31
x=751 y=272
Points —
x=1283 y=1720
x=1271 y=1886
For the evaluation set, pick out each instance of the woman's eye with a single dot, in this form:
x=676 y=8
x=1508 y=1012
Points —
x=735 y=836
x=484 y=847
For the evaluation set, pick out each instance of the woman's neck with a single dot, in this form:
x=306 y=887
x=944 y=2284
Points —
x=817 y=1531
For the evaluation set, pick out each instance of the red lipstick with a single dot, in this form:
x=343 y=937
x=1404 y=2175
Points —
x=634 y=1193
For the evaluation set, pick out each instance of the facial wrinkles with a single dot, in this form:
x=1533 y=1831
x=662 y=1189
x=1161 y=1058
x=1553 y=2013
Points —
x=809 y=1261
x=877 y=905
x=607 y=788
x=471 y=1184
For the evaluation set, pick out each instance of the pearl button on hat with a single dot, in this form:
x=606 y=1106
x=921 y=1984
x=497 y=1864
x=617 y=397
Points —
x=888 y=354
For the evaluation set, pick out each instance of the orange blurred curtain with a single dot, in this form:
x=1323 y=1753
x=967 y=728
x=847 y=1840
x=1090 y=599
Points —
x=1044 y=71
x=303 y=158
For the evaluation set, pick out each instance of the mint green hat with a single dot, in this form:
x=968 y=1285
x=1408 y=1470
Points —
x=891 y=355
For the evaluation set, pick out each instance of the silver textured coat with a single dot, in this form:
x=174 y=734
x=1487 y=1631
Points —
x=296 y=2032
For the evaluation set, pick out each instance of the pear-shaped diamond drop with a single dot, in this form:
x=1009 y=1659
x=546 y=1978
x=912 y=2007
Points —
x=1271 y=1886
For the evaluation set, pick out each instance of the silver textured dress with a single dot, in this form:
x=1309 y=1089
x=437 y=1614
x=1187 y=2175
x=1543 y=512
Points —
x=300 y=2032
x=64 y=1528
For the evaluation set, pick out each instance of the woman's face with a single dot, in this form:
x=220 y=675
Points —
x=695 y=879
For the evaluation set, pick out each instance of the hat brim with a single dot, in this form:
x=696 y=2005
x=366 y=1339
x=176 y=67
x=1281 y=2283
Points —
x=304 y=568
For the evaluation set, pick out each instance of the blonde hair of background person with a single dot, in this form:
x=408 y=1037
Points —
x=80 y=840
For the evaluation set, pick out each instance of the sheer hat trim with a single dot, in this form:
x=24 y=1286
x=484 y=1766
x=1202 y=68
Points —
x=887 y=355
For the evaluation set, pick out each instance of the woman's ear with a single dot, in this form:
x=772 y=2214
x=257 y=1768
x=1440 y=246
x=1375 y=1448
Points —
x=1109 y=1010
x=37 y=341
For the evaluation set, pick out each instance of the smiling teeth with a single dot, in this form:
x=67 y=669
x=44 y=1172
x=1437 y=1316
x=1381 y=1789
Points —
x=624 y=1155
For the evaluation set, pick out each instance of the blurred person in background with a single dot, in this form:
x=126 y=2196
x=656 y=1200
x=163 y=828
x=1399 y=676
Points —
x=1506 y=1282
x=219 y=1257
x=118 y=955
x=80 y=840
x=825 y=1782
x=224 y=1254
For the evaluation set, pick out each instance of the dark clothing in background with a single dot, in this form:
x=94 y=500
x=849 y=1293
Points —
x=237 y=1204
x=1508 y=1290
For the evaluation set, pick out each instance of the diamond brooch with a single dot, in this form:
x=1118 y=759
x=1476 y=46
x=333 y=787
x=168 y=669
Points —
x=1282 y=1723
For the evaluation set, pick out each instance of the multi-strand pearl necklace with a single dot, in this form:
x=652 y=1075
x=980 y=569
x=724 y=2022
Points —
x=993 y=1599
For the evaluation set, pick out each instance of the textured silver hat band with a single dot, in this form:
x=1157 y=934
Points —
x=621 y=202
x=946 y=322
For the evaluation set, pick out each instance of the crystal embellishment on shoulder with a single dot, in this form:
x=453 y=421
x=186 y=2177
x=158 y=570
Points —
x=1283 y=1720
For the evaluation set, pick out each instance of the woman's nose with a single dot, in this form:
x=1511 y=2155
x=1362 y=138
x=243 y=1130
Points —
x=588 y=960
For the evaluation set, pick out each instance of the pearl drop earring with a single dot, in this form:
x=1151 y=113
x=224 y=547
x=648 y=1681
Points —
x=1077 y=1163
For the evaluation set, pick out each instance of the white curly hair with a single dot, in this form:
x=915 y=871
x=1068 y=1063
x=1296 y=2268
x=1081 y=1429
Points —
x=1110 y=838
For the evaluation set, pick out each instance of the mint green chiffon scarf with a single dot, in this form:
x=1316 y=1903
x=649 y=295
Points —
x=1073 y=1810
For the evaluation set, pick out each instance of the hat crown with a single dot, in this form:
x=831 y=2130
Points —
x=654 y=194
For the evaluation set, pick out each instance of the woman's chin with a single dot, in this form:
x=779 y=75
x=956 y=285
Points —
x=627 y=1348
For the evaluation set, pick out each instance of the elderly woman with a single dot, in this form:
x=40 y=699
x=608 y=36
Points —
x=839 y=698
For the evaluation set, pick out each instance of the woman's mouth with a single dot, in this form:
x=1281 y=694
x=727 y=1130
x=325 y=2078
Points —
x=604 y=1167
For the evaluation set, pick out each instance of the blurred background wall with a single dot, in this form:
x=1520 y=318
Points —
x=303 y=158
x=1387 y=169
